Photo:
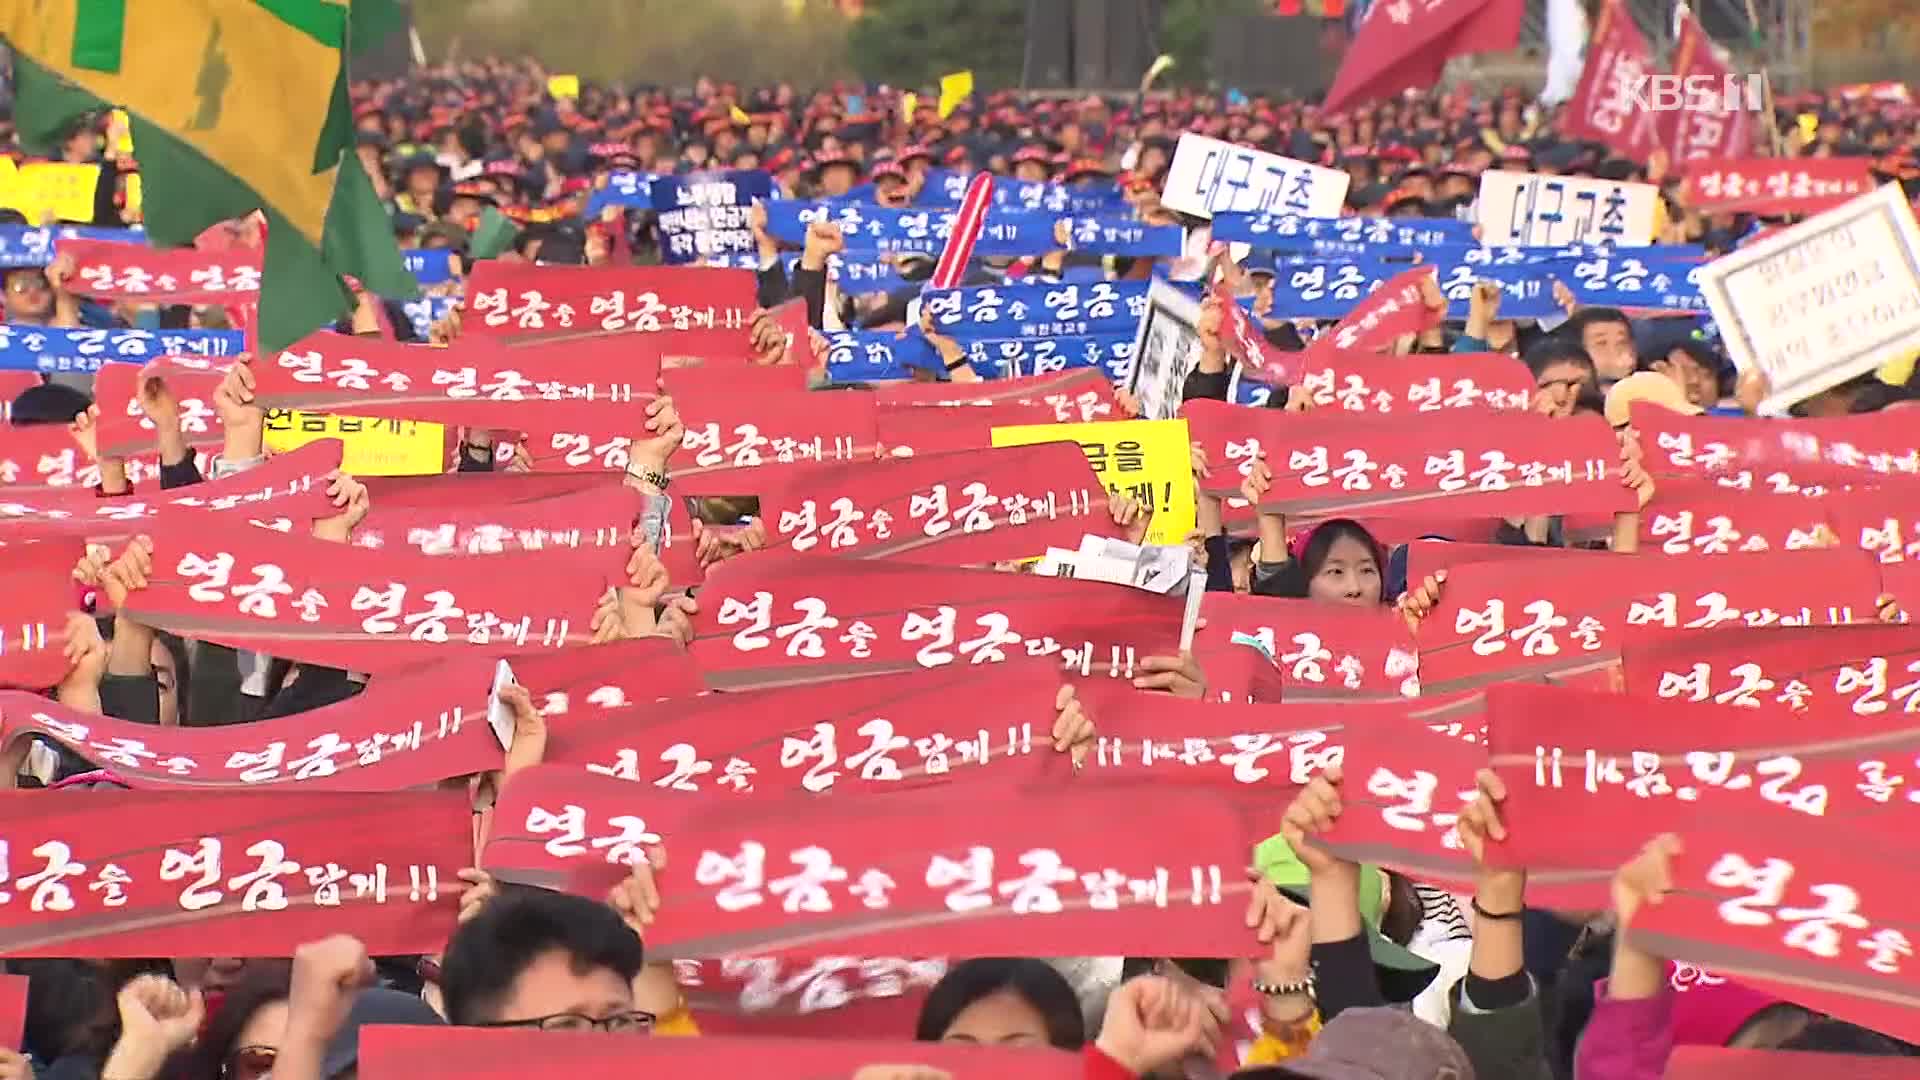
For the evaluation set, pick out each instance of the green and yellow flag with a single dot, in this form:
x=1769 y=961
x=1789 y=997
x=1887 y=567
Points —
x=237 y=105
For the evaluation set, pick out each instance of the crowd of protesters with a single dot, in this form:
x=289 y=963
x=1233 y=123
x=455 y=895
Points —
x=1360 y=970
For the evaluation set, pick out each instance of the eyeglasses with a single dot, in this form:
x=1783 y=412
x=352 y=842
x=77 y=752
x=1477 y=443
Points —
x=249 y=1063
x=626 y=1023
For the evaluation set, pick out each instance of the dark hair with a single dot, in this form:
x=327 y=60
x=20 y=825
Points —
x=49 y=403
x=1293 y=580
x=257 y=989
x=1035 y=981
x=176 y=647
x=1829 y=1036
x=488 y=954
x=1576 y=326
x=70 y=1008
x=1556 y=349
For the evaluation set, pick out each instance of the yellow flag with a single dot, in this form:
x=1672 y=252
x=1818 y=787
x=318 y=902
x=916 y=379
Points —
x=1151 y=460
x=909 y=101
x=740 y=116
x=135 y=199
x=123 y=144
x=370 y=447
x=954 y=89
x=563 y=86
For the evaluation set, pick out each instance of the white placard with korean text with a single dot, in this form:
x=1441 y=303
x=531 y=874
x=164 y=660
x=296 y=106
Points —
x=1165 y=349
x=1833 y=297
x=1518 y=209
x=1208 y=176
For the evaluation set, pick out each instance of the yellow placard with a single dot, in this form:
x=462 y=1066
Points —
x=49 y=191
x=563 y=86
x=134 y=198
x=123 y=125
x=371 y=447
x=1150 y=460
x=954 y=89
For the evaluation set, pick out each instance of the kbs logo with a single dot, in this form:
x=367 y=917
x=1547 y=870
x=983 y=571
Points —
x=1702 y=93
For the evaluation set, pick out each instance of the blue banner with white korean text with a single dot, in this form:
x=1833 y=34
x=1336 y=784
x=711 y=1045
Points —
x=629 y=189
x=920 y=231
x=945 y=187
x=1339 y=236
x=1009 y=358
x=426 y=311
x=1327 y=290
x=58 y=349
x=855 y=356
x=858 y=274
x=1038 y=311
x=704 y=217
x=1622 y=280
x=1119 y=234
x=1526 y=291
x=21 y=246
x=429 y=266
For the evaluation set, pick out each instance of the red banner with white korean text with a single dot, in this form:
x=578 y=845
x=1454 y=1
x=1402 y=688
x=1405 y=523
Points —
x=356 y=608
x=1068 y=873
x=781 y=620
x=148 y=873
x=1397 y=307
x=1425 y=558
x=110 y=270
x=36 y=582
x=398 y=1053
x=1884 y=521
x=1851 y=449
x=695 y=309
x=1602 y=109
x=907 y=430
x=598 y=387
x=1690 y=515
x=1321 y=651
x=585 y=683
x=1804 y=185
x=1510 y=463
x=1368 y=382
x=1901 y=581
x=722 y=375
x=405 y=730
x=593 y=527
x=818 y=997
x=123 y=428
x=957 y=509
x=738 y=431
x=1069 y=386
x=1719 y=122
x=1826 y=674
x=1816 y=914
x=1645 y=767
x=37 y=457
x=1401 y=794
x=1246 y=345
x=286 y=490
x=1535 y=621
x=856 y=737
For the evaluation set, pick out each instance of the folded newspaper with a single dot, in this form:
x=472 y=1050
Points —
x=1157 y=568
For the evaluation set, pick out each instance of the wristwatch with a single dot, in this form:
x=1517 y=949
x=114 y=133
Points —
x=646 y=474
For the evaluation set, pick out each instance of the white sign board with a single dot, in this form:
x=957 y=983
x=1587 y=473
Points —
x=1165 y=348
x=1208 y=176
x=1518 y=209
x=1833 y=297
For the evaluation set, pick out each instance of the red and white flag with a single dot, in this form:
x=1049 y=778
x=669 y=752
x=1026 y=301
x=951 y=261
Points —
x=1711 y=124
x=1602 y=107
x=1405 y=43
x=967 y=224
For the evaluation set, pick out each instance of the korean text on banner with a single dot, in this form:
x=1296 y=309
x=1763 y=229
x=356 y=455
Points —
x=373 y=447
x=1165 y=348
x=1537 y=210
x=50 y=190
x=1209 y=176
x=1833 y=297
x=1150 y=460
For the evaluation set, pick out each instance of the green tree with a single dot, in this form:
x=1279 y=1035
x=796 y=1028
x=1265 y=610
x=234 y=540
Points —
x=911 y=43
x=1186 y=33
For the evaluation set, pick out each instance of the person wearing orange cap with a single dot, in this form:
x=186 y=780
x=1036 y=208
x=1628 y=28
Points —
x=1032 y=164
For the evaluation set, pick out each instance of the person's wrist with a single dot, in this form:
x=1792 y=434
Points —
x=137 y=1056
x=1107 y=1045
x=1501 y=892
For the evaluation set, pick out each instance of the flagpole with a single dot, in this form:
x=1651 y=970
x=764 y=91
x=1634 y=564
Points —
x=1766 y=87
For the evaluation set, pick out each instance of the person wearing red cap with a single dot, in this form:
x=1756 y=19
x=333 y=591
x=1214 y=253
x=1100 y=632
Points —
x=1033 y=164
x=891 y=188
x=833 y=173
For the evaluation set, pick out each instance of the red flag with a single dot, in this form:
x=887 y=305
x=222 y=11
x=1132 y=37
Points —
x=967 y=223
x=1406 y=44
x=1713 y=124
x=1602 y=108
